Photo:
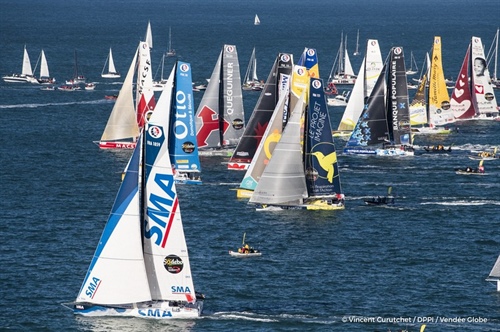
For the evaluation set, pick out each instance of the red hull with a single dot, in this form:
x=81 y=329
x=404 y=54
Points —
x=117 y=145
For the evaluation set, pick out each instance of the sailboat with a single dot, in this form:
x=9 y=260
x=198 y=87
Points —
x=473 y=97
x=494 y=275
x=356 y=52
x=493 y=56
x=413 y=65
x=141 y=265
x=367 y=77
x=256 y=20
x=432 y=114
x=26 y=72
x=175 y=108
x=220 y=118
x=251 y=80
x=122 y=130
x=384 y=125
x=303 y=175
x=111 y=73
x=77 y=75
x=128 y=117
x=342 y=72
x=44 y=77
x=170 y=51
x=277 y=84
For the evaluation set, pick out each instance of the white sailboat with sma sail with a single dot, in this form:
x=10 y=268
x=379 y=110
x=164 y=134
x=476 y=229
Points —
x=303 y=176
x=141 y=265
x=220 y=118
x=111 y=72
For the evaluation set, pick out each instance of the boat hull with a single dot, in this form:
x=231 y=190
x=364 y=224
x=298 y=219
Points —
x=242 y=255
x=216 y=152
x=116 y=145
x=110 y=75
x=157 y=310
x=317 y=205
x=463 y=172
x=238 y=166
x=243 y=193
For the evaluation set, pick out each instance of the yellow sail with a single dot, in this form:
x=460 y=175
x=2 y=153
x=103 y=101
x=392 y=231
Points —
x=439 y=101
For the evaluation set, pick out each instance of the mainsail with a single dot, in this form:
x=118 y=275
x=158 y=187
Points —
x=220 y=119
x=277 y=84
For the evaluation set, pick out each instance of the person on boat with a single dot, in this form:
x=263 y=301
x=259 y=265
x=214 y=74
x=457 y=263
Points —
x=247 y=248
x=480 y=169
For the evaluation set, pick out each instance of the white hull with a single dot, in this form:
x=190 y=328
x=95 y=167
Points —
x=214 y=152
x=394 y=152
x=337 y=101
x=158 y=310
x=15 y=79
x=430 y=131
x=241 y=255
x=110 y=75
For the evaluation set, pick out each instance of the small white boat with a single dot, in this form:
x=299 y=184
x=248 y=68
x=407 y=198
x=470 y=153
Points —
x=472 y=171
x=89 y=86
x=244 y=255
x=245 y=250
x=339 y=100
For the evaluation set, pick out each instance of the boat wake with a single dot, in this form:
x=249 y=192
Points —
x=464 y=202
x=281 y=318
x=86 y=102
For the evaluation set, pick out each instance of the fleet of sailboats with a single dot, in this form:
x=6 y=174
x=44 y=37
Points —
x=303 y=172
x=286 y=149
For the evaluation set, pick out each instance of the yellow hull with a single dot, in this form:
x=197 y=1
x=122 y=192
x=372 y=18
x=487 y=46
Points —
x=243 y=193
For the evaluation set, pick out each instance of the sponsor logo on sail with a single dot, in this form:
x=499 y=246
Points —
x=173 y=264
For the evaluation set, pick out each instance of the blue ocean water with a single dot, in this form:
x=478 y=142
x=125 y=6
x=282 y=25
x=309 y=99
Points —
x=424 y=259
